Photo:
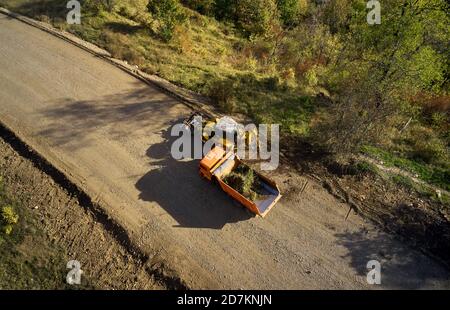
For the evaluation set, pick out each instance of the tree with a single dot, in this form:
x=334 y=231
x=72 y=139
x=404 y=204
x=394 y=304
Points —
x=383 y=66
x=256 y=17
x=337 y=14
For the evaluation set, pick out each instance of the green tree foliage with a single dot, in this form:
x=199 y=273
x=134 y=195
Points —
x=168 y=14
x=206 y=7
x=337 y=14
x=308 y=51
x=226 y=9
x=256 y=17
x=382 y=67
x=291 y=11
x=252 y=17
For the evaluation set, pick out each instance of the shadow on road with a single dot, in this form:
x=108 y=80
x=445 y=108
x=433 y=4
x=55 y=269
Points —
x=73 y=122
x=178 y=188
x=401 y=267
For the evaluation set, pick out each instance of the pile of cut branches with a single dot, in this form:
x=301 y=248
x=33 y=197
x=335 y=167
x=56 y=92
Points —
x=245 y=181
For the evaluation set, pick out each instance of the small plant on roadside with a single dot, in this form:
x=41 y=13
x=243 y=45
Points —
x=8 y=218
x=223 y=93
x=403 y=181
x=366 y=167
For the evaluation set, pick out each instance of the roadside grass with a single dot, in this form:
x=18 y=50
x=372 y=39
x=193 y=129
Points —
x=438 y=175
x=28 y=259
x=422 y=190
x=399 y=180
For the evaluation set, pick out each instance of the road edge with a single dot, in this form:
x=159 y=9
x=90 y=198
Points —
x=191 y=99
x=159 y=271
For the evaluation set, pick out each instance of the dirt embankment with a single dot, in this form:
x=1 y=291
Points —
x=70 y=223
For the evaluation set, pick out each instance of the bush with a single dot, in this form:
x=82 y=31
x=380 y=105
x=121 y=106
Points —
x=226 y=9
x=169 y=14
x=366 y=167
x=403 y=181
x=252 y=17
x=120 y=47
x=291 y=11
x=205 y=7
x=256 y=17
x=223 y=92
x=429 y=151
x=95 y=6
x=337 y=14
x=8 y=218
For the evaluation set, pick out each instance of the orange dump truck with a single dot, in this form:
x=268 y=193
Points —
x=218 y=163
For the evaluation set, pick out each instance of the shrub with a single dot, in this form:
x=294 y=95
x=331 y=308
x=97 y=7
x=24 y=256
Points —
x=205 y=7
x=226 y=9
x=256 y=17
x=403 y=181
x=120 y=47
x=252 y=17
x=337 y=14
x=223 y=92
x=95 y=6
x=109 y=4
x=8 y=218
x=128 y=12
x=366 y=167
x=291 y=11
x=169 y=15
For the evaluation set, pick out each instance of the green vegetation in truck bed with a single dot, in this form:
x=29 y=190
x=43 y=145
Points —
x=244 y=180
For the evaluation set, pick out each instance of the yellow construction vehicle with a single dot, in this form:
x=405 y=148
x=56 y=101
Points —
x=223 y=126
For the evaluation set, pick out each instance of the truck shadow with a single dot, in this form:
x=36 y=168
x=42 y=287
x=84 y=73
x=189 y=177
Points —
x=178 y=188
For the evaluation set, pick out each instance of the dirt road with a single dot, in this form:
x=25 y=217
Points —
x=109 y=133
x=85 y=236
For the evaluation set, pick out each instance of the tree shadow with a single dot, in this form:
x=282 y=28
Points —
x=421 y=227
x=73 y=122
x=178 y=188
x=401 y=266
